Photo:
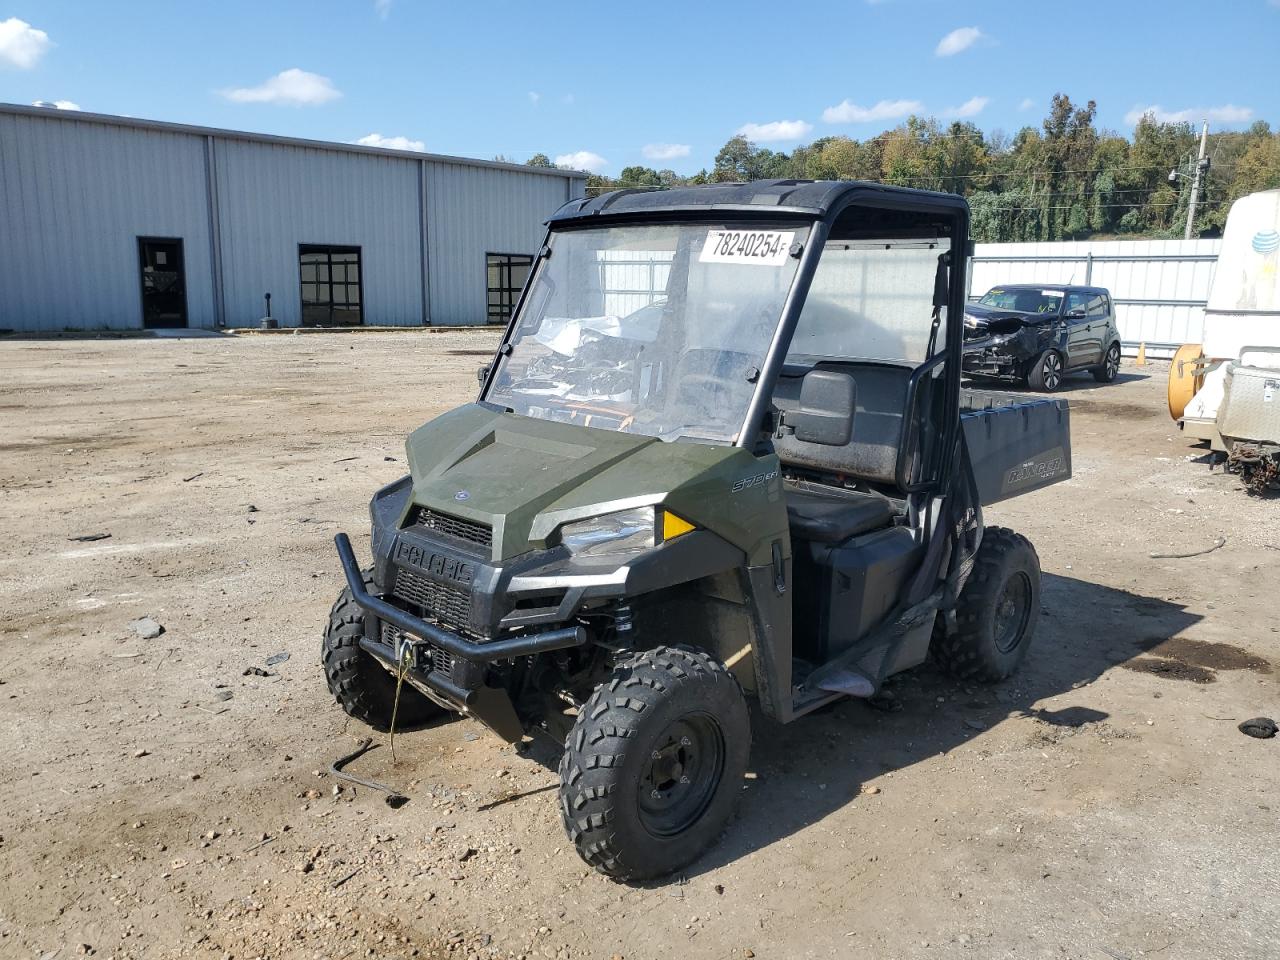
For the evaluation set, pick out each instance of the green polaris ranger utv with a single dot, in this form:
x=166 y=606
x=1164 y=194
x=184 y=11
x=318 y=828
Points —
x=722 y=452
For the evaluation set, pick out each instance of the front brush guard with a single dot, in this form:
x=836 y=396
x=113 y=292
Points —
x=450 y=642
x=492 y=706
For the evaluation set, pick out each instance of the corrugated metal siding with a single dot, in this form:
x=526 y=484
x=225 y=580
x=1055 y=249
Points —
x=472 y=211
x=76 y=193
x=74 y=198
x=1175 y=287
x=274 y=197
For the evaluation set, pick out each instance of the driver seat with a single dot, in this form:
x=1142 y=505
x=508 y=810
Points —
x=822 y=514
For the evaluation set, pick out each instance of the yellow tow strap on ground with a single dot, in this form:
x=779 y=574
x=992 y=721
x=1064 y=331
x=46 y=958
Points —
x=402 y=666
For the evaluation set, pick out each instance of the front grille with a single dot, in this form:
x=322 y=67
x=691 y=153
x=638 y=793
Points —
x=449 y=605
x=437 y=660
x=429 y=522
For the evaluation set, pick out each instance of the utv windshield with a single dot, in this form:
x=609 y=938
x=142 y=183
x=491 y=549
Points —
x=658 y=330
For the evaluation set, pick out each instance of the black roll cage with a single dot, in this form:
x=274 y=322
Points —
x=947 y=207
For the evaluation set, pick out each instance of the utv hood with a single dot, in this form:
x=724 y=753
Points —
x=523 y=476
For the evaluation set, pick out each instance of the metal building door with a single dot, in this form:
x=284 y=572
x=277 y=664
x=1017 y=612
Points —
x=164 y=282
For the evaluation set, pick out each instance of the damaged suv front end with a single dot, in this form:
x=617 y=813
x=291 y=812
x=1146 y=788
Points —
x=1004 y=343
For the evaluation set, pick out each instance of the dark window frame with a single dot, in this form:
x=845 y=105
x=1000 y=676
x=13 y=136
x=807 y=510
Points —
x=142 y=241
x=508 y=295
x=329 y=250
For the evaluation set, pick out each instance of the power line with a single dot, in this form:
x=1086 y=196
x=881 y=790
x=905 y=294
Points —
x=1103 y=206
x=942 y=177
x=1028 y=202
x=897 y=181
x=1099 y=170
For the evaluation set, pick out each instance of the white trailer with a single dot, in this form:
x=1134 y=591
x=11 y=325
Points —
x=1227 y=390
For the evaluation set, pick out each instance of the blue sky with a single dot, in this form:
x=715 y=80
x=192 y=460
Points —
x=604 y=86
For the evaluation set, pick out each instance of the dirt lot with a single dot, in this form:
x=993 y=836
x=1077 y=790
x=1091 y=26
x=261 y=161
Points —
x=159 y=802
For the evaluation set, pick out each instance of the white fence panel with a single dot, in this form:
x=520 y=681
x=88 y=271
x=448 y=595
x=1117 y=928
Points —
x=632 y=279
x=1160 y=287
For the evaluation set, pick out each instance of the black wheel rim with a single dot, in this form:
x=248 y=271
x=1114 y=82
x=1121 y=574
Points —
x=1013 y=612
x=1113 y=362
x=1052 y=371
x=681 y=774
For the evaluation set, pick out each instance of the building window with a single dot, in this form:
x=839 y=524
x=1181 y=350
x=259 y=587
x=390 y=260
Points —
x=507 y=275
x=331 y=288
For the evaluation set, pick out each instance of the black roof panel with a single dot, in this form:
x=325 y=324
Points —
x=810 y=198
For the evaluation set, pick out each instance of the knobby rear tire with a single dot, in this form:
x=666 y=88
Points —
x=986 y=645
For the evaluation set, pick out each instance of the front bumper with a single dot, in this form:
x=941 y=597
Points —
x=991 y=361
x=1006 y=354
x=453 y=643
x=447 y=667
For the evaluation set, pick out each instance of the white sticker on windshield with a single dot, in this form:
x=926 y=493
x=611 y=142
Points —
x=1050 y=293
x=768 y=248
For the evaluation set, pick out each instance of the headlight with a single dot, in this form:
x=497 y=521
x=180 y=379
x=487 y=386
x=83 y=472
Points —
x=627 y=531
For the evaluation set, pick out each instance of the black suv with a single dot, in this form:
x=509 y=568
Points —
x=1041 y=332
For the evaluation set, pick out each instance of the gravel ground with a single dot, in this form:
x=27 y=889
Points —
x=160 y=802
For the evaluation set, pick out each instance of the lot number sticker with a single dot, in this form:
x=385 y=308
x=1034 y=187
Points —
x=768 y=248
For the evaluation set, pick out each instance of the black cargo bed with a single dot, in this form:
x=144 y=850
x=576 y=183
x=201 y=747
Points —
x=1016 y=444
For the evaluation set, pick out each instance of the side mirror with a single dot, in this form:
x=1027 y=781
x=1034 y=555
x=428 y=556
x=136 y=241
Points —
x=1074 y=315
x=825 y=414
x=482 y=373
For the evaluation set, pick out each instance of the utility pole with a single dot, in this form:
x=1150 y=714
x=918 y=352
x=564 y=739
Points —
x=1202 y=165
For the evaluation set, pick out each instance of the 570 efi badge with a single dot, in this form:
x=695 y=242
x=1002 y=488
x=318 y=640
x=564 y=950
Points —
x=757 y=480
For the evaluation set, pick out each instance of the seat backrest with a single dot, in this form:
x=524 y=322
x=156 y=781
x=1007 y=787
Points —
x=872 y=452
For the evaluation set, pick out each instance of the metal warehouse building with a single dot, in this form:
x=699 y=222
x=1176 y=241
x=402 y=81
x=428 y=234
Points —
x=110 y=222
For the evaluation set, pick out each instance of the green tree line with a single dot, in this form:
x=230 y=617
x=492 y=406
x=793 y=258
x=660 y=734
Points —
x=1065 y=180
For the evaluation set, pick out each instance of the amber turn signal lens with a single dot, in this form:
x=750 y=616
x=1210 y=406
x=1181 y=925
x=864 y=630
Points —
x=673 y=526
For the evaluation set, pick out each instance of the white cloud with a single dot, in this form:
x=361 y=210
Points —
x=1026 y=104
x=1227 y=113
x=958 y=40
x=582 y=160
x=777 y=130
x=382 y=8
x=57 y=104
x=392 y=143
x=21 y=44
x=665 y=151
x=534 y=97
x=848 y=112
x=293 y=87
x=970 y=108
